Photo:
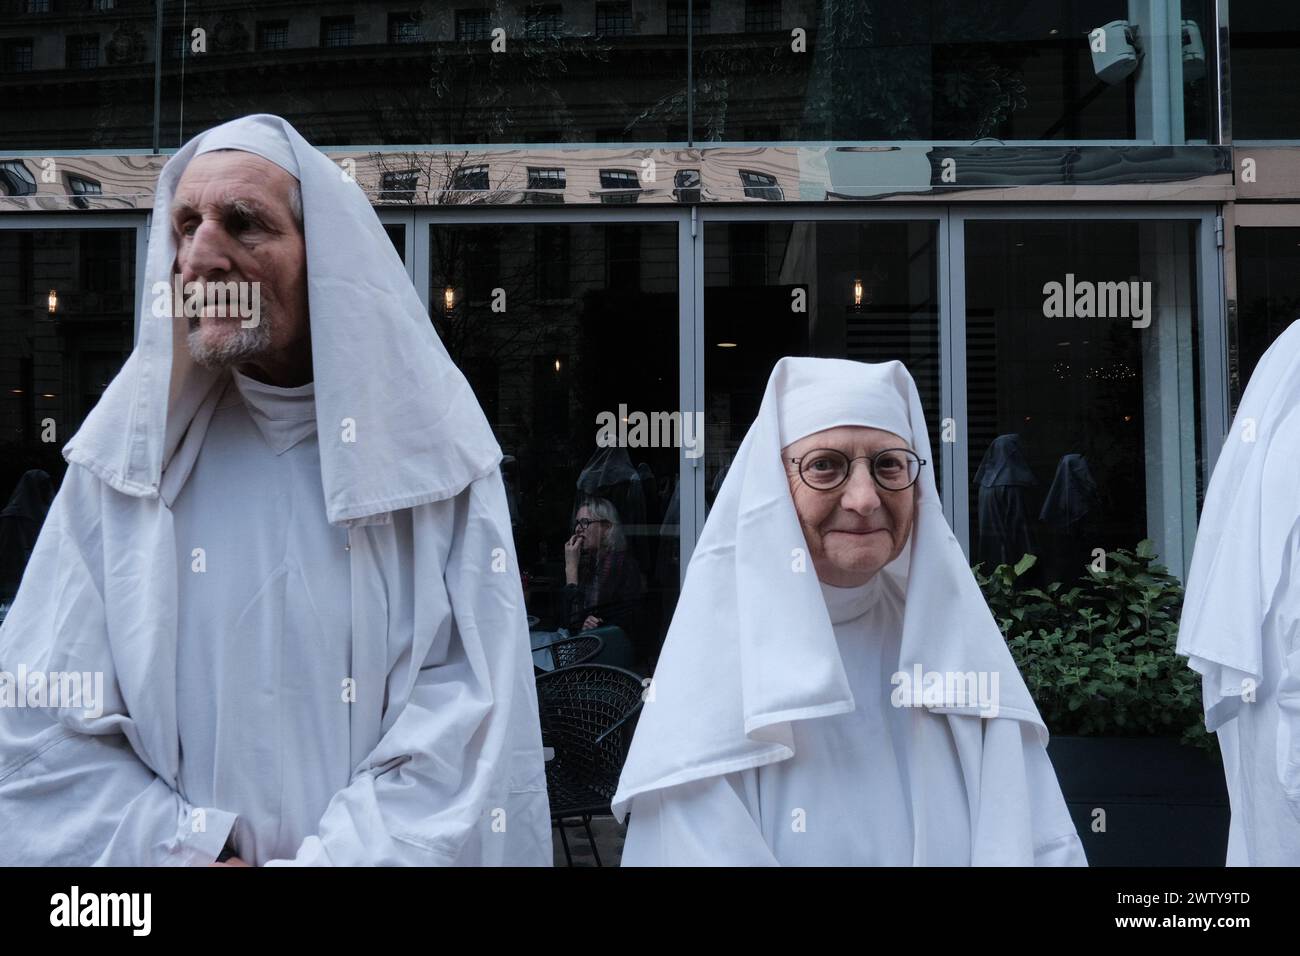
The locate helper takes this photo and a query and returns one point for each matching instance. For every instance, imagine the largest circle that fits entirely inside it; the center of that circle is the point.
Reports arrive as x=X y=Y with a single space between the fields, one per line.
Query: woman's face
x=594 y=536
x=856 y=529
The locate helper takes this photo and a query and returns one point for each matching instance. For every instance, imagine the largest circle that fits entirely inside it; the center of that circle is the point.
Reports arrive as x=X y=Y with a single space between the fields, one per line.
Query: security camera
x=1116 y=50
x=1193 y=51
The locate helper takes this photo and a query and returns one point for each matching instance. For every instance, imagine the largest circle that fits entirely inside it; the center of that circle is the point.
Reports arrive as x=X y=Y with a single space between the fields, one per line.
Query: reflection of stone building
x=360 y=73
x=503 y=71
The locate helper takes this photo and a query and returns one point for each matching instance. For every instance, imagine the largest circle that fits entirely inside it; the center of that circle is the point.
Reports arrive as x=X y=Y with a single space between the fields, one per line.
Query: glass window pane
x=375 y=74
x=1199 y=70
x=568 y=335
x=1082 y=429
x=76 y=75
x=397 y=236
x=1265 y=49
x=1268 y=293
x=66 y=328
x=947 y=70
x=857 y=290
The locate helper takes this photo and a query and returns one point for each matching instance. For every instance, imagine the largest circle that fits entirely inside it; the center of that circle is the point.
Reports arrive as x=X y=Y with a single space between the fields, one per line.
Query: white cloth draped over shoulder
x=439 y=753
x=769 y=735
x=1240 y=627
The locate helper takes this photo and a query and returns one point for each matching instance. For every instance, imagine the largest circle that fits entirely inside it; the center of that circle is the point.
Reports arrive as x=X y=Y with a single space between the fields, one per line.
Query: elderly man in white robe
x=833 y=689
x=1240 y=628
x=283 y=544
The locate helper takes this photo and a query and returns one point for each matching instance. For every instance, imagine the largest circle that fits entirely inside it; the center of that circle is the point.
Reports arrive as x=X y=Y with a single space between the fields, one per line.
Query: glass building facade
x=672 y=194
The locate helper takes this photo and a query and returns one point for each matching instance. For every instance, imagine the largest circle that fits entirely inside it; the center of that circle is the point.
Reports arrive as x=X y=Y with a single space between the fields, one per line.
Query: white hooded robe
x=1240 y=627
x=770 y=734
x=347 y=680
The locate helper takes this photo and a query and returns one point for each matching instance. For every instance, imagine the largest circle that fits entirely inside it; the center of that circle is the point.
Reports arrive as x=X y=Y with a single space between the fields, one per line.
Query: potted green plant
x=1143 y=779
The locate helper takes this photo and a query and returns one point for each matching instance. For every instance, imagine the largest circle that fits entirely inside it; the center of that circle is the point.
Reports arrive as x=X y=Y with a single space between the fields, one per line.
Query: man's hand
x=590 y=622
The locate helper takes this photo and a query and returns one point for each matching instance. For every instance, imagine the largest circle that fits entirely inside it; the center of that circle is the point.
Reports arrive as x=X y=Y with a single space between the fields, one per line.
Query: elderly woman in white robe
x=833 y=689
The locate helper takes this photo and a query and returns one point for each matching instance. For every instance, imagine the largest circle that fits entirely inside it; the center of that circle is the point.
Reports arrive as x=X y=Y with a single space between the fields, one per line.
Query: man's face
x=856 y=529
x=232 y=222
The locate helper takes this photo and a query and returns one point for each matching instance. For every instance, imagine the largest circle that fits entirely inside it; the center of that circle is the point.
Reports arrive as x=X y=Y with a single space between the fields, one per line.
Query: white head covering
x=1240 y=543
x=728 y=687
x=421 y=435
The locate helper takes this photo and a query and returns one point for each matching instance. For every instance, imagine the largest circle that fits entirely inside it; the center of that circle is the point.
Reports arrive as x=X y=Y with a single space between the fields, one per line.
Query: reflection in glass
x=611 y=72
x=604 y=586
x=65 y=331
x=1082 y=431
x=941 y=70
x=1265 y=41
x=1268 y=293
x=76 y=75
x=396 y=233
x=372 y=74
x=568 y=335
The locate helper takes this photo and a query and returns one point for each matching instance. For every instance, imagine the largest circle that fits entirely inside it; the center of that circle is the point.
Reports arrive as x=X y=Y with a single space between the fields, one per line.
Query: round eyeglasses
x=893 y=469
x=582 y=524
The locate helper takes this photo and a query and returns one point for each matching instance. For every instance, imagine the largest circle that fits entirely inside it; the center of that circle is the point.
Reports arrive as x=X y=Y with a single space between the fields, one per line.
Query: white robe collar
x=284 y=416
x=847 y=604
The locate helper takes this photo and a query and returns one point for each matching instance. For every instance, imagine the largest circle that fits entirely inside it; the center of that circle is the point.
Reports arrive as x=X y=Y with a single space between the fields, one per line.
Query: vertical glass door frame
x=390 y=216
x=690 y=373
x=1210 y=329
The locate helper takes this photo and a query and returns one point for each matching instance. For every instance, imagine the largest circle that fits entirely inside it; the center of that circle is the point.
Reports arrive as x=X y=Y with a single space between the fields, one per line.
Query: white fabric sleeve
x=1282 y=626
x=73 y=791
x=71 y=799
x=440 y=770
x=709 y=822
x=1021 y=818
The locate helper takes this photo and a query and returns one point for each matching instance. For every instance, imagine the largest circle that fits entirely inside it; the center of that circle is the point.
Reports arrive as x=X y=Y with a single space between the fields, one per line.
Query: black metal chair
x=588 y=714
x=567 y=652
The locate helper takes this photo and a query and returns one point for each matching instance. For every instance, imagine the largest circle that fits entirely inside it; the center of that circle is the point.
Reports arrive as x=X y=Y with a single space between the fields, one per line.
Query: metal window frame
x=690 y=381
x=951 y=271
x=691 y=222
x=1210 y=328
x=95 y=220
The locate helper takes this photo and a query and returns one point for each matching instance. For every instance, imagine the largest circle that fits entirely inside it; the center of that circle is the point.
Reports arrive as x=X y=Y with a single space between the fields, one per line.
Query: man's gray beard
x=235 y=347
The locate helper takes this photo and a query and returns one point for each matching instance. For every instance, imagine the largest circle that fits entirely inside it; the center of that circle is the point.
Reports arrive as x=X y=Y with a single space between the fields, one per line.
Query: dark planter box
x=1166 y=804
